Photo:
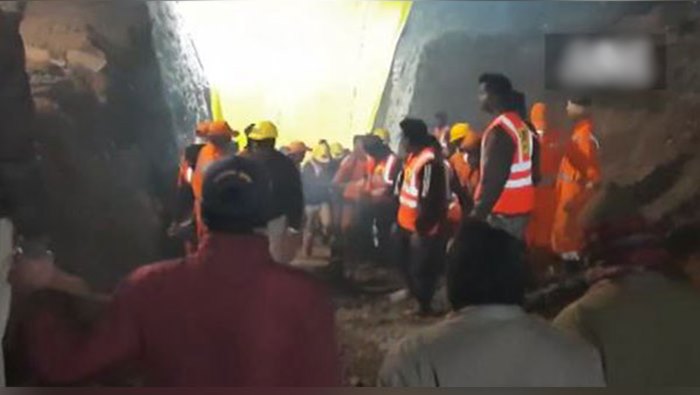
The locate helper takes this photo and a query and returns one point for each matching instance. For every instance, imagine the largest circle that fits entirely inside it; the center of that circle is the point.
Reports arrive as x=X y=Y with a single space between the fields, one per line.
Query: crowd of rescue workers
x=452 y=203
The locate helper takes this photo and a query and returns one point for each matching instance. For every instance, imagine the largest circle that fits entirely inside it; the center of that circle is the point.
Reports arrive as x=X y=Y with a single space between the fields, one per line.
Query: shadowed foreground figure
x=643 y=315
x=489 y=340
x=227 y=316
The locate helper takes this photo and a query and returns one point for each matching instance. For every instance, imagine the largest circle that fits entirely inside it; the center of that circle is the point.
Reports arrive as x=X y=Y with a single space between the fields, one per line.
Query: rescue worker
x=183 y=227
x=287 y=211
x=316 y=181
x=382 y=168
x=441 y=130
x=420 y=237
x=337 y=155
x=383 y=135
x=219 y=137
x=579 y=176
x=227 y=316
x=349 y=180
x=505 y=196
x=464 y=155
x=539 y=232
x=463 y=152
x=296 y=151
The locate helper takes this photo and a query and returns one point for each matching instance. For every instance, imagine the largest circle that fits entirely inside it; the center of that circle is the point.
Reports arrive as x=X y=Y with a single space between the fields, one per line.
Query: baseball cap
x=236 y=195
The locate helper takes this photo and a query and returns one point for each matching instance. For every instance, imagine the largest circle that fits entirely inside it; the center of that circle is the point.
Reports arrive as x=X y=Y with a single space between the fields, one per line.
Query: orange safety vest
x=454 y=209
x=410 y=188
x=380 y=175
x=518 y=196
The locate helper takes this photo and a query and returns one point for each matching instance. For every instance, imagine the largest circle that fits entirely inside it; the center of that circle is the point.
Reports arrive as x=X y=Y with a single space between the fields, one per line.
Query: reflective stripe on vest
x=408 y=197
x=518 y=193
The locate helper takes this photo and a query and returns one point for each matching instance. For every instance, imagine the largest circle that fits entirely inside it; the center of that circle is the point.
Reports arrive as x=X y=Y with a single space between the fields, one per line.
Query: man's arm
x=432 y=199
x=583 y=156
x=497 y=159
x=63 y=355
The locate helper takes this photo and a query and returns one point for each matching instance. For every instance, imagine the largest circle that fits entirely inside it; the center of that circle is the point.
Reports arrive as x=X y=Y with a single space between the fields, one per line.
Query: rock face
x=108 y=125
x=446 y=45
x=185 y=86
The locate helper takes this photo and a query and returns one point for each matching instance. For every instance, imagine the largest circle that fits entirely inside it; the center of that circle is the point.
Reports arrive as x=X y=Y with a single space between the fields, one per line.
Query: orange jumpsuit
x=351 y=176
x=539 y=231
x=578 y=170
x=467 y=176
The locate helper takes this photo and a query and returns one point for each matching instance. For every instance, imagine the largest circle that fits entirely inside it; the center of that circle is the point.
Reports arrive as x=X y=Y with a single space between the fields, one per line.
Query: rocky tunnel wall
x=648 y=139
x=115 y=92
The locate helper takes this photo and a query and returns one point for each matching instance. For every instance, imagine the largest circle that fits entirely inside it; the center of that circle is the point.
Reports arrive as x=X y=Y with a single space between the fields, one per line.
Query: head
x=441 y=119
x=495 y=93
x=321 y=154
x=358 y=144
x=383 y=135
x=297 y=151
x=220 y=133
x=236 y=196
x=578 y=107
x=337 y=151
x=375 y=147
x=485 y=266
x=538 y=117
x=263 y=136
x=414 y=134
x=459 y=133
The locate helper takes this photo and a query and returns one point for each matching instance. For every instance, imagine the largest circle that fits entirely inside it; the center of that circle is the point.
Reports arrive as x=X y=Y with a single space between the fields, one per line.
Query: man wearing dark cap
x=579 y=176
x=423 y=200
x=227 y=316
x=505 y=195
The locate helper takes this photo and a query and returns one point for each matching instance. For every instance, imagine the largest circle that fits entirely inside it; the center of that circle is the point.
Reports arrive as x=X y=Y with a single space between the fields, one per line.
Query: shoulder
x=153 y=272
x=561 y=341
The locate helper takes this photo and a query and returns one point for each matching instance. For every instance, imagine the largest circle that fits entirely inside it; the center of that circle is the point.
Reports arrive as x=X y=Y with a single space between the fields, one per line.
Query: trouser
x=283 y=243
x=514 y=225
x=6 y=251
x=421 y=260
x=317 y=215
x=384 y=217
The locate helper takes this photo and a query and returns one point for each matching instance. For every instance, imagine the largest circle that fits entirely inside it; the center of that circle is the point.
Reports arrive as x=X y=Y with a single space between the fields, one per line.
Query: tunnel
x=99 y=99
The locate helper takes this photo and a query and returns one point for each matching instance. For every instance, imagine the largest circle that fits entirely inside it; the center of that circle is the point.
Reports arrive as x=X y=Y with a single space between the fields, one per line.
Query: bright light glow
x=315 y=68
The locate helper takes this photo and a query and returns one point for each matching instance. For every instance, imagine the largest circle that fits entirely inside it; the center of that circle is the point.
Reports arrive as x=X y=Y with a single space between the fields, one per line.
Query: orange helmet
x=220 y=128
x=538 y=116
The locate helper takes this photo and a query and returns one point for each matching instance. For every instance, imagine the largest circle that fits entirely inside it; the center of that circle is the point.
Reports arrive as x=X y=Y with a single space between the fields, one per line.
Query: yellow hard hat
x=321 y=153
x=459 y=131
x=263 y=131
x=382 y=134
x=337 y=150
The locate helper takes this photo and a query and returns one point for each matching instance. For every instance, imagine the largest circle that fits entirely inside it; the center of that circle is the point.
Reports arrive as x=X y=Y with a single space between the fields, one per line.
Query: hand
x=32 y=274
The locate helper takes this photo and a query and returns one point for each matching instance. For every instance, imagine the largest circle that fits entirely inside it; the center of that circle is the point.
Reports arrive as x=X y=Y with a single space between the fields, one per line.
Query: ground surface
x=369 y=322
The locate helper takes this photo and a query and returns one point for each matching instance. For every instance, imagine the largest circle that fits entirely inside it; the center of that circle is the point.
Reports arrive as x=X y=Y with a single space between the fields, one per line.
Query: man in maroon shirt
x=227 y=316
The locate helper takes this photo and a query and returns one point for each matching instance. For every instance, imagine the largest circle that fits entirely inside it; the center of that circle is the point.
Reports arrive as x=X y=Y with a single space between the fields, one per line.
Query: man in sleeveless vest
x=505 y=195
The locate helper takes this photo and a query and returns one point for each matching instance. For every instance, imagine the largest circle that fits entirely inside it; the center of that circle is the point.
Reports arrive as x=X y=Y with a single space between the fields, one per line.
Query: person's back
x=490 y=340
x=235 y=318
x=645 y=325
x=227 y=316
x=496 y=346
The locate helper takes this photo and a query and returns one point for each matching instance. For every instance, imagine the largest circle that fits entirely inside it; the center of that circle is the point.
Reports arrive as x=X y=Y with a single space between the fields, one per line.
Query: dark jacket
x=288 y=197
x=497 y=159
x=316 y=180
